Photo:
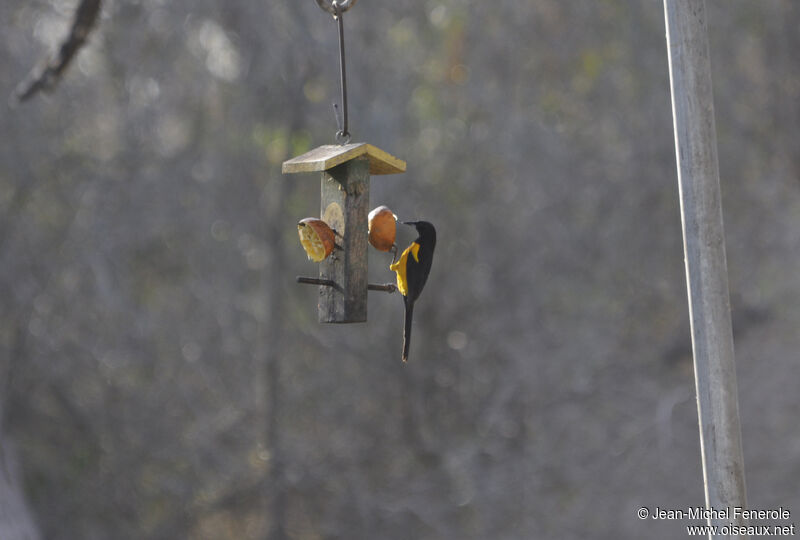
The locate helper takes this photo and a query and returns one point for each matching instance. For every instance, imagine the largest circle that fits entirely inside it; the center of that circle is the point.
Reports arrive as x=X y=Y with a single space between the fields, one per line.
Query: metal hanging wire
x=337 y=8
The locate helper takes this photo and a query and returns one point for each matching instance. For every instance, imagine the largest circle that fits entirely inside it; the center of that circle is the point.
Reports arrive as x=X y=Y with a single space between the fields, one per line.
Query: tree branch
x=49 y=71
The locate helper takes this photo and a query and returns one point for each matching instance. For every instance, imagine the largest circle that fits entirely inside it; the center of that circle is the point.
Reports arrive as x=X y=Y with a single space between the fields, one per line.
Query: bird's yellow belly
x=400 y=267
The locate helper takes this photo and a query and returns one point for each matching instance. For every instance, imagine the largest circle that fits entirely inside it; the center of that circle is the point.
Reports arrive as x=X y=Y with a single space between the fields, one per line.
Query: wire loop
x=342 y=138
x=342 y=5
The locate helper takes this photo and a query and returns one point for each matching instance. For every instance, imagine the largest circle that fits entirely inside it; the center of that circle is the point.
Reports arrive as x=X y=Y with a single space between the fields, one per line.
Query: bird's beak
x=410 y=223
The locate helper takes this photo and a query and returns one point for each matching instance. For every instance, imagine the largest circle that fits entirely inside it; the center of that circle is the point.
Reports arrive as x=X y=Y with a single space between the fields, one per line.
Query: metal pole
x=706 y=266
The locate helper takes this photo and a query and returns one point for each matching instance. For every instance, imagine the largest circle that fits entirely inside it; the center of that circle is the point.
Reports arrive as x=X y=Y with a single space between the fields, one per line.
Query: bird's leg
x=337 y=234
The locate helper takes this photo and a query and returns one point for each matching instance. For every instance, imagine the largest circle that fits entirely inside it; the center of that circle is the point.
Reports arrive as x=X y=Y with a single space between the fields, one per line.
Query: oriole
x=412 y=272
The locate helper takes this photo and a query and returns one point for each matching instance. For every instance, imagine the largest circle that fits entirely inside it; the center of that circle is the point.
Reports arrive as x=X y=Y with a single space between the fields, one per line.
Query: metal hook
x=343 y=5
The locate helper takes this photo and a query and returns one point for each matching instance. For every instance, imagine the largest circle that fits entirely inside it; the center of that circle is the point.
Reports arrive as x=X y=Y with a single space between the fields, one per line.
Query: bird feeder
x=344 y=204
x=346 y=169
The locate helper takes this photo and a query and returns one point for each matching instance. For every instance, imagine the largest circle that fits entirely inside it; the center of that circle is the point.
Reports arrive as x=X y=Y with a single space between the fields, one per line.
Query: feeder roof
x=329 y=156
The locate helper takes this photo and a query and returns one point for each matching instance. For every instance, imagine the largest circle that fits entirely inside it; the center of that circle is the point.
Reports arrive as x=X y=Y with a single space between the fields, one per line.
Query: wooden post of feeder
x=344 y=205
x=706 y=266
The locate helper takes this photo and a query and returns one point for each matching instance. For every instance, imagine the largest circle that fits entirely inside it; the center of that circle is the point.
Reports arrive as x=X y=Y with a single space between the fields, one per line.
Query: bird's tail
x=407 y=328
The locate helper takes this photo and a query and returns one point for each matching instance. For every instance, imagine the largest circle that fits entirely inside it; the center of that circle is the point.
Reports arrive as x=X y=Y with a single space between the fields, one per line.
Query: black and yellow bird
x=412 y=272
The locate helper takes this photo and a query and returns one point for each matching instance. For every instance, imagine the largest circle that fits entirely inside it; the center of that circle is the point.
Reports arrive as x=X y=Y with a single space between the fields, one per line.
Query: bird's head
x=424 y=228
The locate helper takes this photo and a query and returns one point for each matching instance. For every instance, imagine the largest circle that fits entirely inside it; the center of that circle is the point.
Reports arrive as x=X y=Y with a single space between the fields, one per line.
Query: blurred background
x=164 y=377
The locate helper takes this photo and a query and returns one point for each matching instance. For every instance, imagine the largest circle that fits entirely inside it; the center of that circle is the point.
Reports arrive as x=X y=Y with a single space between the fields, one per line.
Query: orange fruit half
x=316 y=237
x=382 y=228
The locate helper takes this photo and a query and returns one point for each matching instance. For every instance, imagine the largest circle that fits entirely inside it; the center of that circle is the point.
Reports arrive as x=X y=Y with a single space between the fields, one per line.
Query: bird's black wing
x=417 y=272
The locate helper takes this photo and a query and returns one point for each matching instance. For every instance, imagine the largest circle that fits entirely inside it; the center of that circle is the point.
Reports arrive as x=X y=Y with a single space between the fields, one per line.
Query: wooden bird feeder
x=344 y=205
